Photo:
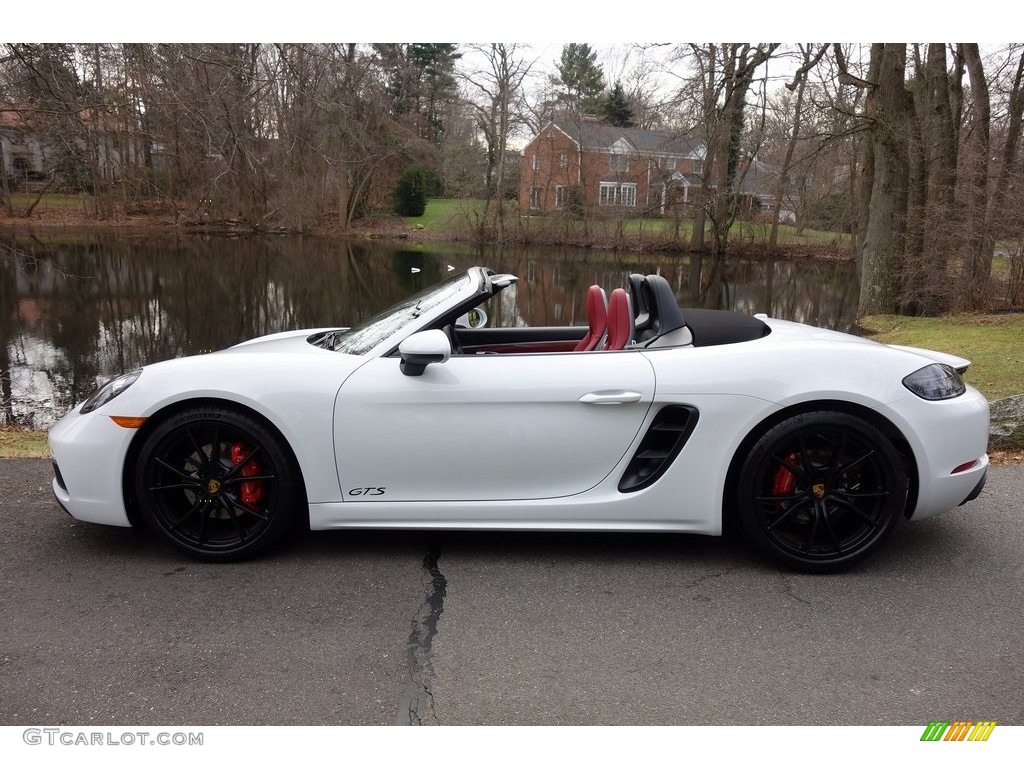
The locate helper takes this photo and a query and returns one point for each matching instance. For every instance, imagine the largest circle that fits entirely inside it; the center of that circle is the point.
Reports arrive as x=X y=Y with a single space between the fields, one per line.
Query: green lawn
x=444 y=214
x=993 y=343
x=23 y=200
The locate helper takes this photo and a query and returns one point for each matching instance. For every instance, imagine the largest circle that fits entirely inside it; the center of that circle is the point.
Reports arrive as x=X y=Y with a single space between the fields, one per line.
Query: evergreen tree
x=421 y=83
x=435 y=64
x=581 y=77
x=616 y=109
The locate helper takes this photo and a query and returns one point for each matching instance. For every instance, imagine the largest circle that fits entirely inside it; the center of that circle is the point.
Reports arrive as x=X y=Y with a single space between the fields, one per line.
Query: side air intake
x=664 y=440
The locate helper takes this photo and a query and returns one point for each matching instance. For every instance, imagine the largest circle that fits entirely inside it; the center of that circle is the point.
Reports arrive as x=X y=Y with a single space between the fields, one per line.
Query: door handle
x=610 y=397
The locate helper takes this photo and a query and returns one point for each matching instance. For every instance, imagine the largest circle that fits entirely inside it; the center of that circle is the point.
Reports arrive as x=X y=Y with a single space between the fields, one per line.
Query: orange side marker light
x=129 y=422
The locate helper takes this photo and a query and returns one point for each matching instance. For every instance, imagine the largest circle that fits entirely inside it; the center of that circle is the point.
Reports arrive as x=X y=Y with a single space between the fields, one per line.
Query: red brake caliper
x=784 y=478
x=253 y=491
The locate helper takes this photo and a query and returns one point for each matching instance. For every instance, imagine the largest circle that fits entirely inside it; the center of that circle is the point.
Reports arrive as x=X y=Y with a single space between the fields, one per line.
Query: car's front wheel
x=217 y=483
x=820 y=491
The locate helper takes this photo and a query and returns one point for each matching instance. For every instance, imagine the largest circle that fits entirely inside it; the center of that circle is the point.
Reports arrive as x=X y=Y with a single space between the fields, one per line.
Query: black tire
x=820 y=491
x=217 y=484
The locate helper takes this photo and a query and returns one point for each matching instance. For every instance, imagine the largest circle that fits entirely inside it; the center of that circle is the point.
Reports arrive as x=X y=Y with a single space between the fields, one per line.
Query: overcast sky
x=535 y=21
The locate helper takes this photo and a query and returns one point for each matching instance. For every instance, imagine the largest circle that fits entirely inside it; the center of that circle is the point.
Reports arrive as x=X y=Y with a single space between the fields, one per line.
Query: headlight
x=935 y=382
x=110 y=390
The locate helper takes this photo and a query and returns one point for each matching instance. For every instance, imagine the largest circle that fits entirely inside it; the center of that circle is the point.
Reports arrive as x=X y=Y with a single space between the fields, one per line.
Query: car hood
x=286 y=341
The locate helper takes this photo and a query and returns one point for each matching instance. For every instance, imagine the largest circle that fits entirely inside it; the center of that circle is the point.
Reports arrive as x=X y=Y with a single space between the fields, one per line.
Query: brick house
x=611 y=170
x=33 y=145
x=22 y=151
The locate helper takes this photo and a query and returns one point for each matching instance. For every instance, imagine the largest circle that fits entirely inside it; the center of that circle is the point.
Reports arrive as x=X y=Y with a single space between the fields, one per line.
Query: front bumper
x=88 y=454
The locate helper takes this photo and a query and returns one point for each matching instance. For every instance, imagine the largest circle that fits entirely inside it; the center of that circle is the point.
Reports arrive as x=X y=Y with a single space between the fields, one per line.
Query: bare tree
x=497 y=83
x=799 y=84
x=718 y=90
x=1000 y=216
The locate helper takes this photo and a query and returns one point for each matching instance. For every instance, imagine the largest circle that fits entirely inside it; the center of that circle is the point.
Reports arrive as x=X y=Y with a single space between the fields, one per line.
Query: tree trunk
x=739 y=64
x=979 y=243
x=915 y=271
x=697 y=242
x=867 y=172
x=940 y=148
x=5 y=190
x=885 y=231
x=32 y=207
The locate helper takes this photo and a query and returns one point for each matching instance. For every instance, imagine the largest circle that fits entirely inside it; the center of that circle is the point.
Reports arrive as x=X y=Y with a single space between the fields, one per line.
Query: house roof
x=754 y=177
x=26 y=116
x=596 y=134
x=690 y=179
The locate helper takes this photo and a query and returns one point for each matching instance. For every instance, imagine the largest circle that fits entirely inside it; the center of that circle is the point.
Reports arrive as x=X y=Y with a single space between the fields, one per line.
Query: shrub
x=411 y=192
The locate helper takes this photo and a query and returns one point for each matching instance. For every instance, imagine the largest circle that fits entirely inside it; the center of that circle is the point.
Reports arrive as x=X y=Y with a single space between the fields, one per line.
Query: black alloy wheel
x=820 y=491
x=217 y=484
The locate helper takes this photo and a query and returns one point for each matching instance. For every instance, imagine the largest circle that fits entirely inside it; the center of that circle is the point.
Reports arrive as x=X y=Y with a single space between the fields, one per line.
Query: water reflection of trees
x=81 y=310
x=553 y=289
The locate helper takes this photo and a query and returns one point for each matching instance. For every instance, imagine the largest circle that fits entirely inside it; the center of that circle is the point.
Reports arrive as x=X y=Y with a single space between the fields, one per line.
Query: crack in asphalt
x=416 y=706
x=715 y=575
x=787 y=590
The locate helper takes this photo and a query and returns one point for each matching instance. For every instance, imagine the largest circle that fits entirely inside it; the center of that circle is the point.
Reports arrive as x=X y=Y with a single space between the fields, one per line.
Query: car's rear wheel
x=820 y=491
x=217 y=483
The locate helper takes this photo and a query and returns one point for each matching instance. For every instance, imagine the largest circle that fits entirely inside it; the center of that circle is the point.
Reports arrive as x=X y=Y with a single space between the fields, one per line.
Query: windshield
x=368 y=334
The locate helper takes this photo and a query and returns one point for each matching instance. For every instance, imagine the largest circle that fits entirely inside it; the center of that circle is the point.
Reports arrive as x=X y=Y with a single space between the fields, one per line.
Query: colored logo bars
x=958 y=730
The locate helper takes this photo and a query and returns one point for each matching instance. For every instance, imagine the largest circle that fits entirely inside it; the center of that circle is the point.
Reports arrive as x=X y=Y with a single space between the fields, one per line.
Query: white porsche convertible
x=650 y=418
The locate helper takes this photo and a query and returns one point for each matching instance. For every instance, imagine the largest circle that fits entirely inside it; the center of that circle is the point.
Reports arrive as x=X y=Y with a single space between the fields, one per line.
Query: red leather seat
x=620 y=321
x=597 y=319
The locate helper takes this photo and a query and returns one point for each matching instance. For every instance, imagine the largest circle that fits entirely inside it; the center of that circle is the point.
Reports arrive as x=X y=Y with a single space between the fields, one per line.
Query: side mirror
x=475 y=318
x=423 y=348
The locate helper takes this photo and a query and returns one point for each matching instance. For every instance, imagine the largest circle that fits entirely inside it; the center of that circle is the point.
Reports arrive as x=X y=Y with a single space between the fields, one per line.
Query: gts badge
x=367 y=491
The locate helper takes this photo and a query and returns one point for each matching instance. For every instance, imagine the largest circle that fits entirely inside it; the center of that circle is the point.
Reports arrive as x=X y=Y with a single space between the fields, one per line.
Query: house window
x=535 y=163
x=535 y=197
x=617 y=162
x=698 y=166
x=670 y=163
x=611 y=193
x=563 y=160
x=559 y=196
x=608 y=193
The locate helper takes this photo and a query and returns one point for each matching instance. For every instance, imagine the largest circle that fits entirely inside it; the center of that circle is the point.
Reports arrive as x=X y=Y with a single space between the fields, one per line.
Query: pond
x=75 y=310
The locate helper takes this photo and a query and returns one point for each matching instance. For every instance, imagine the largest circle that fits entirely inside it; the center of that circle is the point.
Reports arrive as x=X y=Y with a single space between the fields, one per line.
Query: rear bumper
x=977 y=489
x=949 y=439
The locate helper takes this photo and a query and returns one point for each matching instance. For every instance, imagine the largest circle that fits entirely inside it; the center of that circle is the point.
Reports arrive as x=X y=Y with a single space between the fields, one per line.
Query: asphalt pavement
x=105 y=626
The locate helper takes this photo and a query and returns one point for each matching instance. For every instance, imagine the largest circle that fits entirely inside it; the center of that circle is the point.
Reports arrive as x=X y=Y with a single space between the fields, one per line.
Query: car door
x=489 y=427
